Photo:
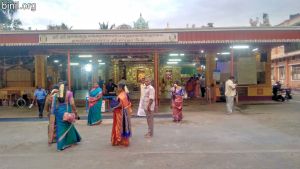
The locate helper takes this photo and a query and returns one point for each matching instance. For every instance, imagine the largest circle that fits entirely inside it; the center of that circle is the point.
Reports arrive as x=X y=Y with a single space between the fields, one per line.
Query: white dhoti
x=141 y=111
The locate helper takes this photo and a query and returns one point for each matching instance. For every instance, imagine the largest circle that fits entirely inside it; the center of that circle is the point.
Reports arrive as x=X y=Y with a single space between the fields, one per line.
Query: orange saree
x=121 y=129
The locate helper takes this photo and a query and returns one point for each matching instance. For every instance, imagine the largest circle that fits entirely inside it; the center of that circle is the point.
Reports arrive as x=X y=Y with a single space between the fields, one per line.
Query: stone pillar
x=40 y=63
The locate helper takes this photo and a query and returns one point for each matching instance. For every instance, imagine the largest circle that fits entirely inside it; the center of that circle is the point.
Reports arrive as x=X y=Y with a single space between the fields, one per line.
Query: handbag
x=69 y=117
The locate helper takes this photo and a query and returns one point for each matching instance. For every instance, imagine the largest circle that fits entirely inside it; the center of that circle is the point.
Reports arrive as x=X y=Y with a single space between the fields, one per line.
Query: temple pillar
x=268 y=68
x=210 y=67
x=156 y=77
x=95 y=66
x=287 y=72
x=40 y=63
x=116 y=70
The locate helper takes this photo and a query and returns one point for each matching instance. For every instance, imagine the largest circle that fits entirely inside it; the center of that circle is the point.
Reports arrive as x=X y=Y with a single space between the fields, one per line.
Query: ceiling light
x=85 y=56
x=88 y=67
x=174 y=60
x=172 y=63
x=173 y=54
x=240 y=47
x=74 y=64
x=56 y=61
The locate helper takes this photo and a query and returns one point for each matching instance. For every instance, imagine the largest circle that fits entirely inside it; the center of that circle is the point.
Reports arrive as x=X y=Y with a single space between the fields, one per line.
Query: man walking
x=230 y=92
x=148 y=105
x=40 y=97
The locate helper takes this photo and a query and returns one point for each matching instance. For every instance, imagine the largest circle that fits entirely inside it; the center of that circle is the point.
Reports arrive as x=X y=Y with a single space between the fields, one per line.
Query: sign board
x=108 y=38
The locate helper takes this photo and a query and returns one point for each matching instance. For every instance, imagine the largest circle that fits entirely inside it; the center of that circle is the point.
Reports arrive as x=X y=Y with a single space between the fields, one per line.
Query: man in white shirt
x=148 y=105
x=230 y=92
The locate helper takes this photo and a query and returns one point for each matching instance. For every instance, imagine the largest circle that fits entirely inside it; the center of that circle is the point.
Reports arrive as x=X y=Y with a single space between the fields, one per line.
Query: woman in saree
x=66 y=133
x=121 y=129
x=177 y=93
x=94 y=105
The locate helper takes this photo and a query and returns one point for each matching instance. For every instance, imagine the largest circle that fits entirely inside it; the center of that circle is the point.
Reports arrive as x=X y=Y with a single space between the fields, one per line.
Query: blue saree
x=94 y=106
x=66 y=133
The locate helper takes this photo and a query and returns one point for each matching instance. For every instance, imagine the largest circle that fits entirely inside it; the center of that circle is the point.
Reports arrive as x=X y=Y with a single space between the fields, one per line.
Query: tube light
x=172 y=63
x=174 y=60
x=101 y=63
x=225 y=53
x=56 y=61
x=74 y=64
x=240 y=47
x=173 y=54
x=85 y=56
x=256 y=49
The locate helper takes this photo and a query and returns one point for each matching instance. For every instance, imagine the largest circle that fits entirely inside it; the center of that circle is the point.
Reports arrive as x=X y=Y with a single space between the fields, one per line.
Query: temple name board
x=108 y=38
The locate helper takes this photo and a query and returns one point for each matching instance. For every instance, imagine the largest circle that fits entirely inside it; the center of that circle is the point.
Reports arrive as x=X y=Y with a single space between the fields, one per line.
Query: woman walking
x=177 y=101
x=94 y=106
x=121 y=129
x=62 y=106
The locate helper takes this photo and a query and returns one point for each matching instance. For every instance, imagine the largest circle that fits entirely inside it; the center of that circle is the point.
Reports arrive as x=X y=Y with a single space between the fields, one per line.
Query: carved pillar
x=115 y=70
x=40 y=63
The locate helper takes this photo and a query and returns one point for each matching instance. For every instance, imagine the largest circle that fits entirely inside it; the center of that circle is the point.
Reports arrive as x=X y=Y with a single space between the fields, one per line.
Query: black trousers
x=41 y=104
x=202 y=91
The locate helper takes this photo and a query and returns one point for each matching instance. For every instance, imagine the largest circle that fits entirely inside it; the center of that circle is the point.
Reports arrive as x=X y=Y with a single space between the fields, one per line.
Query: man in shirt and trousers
x=230 y=92
x=148 y=105
x=141 y=111
x=40 y=97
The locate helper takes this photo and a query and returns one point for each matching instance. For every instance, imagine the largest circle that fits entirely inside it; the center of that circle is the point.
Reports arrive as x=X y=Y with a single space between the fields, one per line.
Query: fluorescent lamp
x=218 y=53
x=256 y=49
x=202 y=51
x=225 y=53
x=90 y=61
x=99 y=60
x=172 y=63
x=240 y=47
x=216 y=59
x=85 y=56
x=74 y=64
x=173 y=54
x=88 y=67
x=56 y=61
x=181 y=54
x=174 y=60
x=101 y=63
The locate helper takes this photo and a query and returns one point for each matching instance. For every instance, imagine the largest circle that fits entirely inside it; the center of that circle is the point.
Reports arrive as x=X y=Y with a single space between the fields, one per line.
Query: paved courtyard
x=258 y=136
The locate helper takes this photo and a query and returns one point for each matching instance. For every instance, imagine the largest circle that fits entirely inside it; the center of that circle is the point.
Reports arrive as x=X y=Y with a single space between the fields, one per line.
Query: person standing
x=141 y=111
x=202 y=86
x=62 y=103
x=177 y=101
x=230 y=92
x=121 y=129
x=40 y=98
x=94 y=105
x=148 y=105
